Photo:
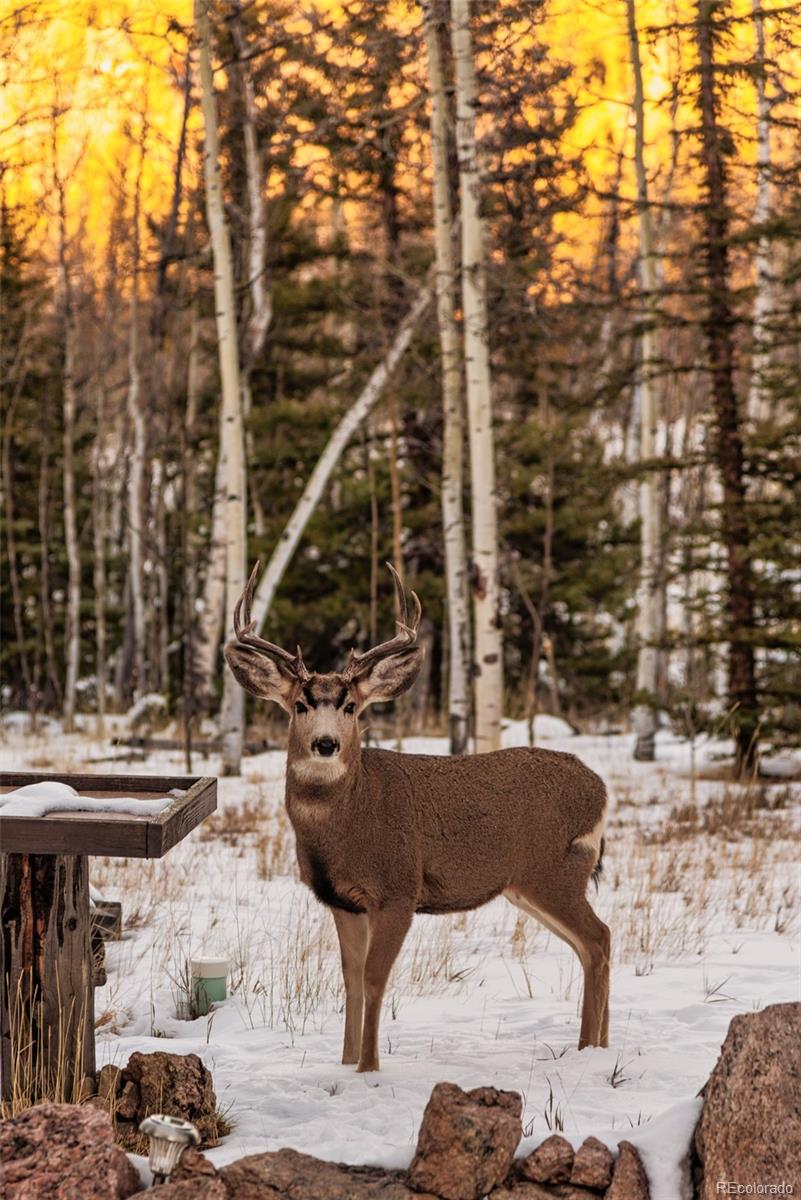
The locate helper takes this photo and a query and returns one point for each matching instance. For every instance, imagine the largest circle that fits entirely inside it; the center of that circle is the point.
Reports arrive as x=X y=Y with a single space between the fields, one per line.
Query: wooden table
x=46 y=987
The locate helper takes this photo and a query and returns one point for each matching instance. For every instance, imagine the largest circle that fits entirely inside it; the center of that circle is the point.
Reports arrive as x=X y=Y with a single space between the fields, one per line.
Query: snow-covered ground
x=700 y=889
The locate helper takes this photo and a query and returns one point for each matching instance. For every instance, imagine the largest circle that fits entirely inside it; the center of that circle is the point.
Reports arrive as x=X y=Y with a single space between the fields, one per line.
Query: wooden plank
x=118 y=835
x=47 y=1047
x=181 y=817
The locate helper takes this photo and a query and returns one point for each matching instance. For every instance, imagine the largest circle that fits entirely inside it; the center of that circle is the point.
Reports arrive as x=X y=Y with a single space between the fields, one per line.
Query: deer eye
x=300 y=708
x=350 y=708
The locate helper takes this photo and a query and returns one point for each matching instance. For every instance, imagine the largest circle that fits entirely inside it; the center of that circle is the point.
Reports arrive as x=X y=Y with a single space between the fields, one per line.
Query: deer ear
x=391 y=677
x=259 y=675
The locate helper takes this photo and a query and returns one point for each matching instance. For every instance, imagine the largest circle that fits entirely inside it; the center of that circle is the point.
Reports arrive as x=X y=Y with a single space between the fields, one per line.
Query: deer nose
x=325 y=746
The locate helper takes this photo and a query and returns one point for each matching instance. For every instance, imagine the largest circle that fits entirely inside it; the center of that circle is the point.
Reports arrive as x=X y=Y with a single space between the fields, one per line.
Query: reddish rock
x=629 y=1181
x=592 y=1166
x=526 y=1190
x=178 y=1084
x=293 y=1176
x=192 y=1165
x=193 y=1189
x=108 y=1082
x=467 y=1142
x=63 y=1152
x=750 y=1127
x=128 y=1102
x=551 y=1162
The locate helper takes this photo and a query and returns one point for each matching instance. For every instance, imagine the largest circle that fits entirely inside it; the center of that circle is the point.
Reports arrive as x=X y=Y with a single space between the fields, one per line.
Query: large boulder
x=178 y=1084
x=750 y=1126
x=63 y=1151
x=467 y=1141
x=285 y=1175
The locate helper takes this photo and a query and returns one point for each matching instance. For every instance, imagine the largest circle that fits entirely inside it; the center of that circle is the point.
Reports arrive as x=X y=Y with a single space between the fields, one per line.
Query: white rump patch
x=593 y=838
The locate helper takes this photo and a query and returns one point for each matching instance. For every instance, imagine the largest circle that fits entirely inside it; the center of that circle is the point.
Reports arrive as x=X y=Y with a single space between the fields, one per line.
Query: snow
x=39 y=799
x=701 y=898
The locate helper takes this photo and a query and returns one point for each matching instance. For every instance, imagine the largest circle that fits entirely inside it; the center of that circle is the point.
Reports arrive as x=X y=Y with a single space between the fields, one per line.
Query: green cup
x=209 y=982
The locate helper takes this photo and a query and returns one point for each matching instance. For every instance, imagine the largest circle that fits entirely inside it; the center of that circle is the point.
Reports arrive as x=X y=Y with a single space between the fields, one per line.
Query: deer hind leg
x=388 y=928
x=572 y=919
x=352 y=931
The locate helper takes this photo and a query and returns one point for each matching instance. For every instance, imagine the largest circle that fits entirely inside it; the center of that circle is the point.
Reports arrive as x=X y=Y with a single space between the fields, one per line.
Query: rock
x=294 y=1176
x=525 y=1190
x=629 y=1181
x=193 y=1189
x=178 y=1084
x=592 y=1166
x=63 y=1152
x=191 y=1165
x=750 y=1126
x=108 y=1082
x=128 y=1102
x=551 y=1162
x=467 y=1141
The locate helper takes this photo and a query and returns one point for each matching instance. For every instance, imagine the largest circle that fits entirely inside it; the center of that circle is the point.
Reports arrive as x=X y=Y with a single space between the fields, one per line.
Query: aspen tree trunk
x=310 y=498
x=99 y=561
x=189 y=534
x=44 y=541
x=261 y=302
x=136 y=466
x=760 y=357
x=650 y=604
x=231 y=434
x=72 y=630
x=488 y=646
x=213 y=607
x=452 y=409
x=728 y=447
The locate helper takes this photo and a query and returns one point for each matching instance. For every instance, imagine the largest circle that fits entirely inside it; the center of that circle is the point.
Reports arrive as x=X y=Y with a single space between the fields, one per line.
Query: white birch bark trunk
x=69 y=402
x=310 y=498
x=757 y=392
x=261 y=301
x=458 y=609
x=231 y=434
x=136 y=474
x=210 y=621
x=99 y=507
x=488 y=645
x=644 y=715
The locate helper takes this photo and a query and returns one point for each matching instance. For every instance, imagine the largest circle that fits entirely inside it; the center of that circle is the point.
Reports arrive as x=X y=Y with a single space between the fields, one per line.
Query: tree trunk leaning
x=324 y=467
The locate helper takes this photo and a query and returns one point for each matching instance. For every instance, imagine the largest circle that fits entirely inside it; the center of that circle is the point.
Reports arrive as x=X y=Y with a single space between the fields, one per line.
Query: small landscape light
x=169 y=1137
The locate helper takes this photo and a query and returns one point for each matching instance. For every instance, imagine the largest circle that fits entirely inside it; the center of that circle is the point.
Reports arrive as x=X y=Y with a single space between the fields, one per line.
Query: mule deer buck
x=382 y=836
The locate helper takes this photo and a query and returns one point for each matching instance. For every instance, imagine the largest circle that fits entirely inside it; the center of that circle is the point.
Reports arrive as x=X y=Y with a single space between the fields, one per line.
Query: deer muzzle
x=326 y=747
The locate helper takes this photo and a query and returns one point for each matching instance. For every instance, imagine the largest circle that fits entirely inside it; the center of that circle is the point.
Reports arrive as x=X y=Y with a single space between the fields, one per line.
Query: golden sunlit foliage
x=79 y=78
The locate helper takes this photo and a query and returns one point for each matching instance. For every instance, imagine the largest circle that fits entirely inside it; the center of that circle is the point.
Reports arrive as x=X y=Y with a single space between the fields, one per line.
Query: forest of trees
x=356 y=281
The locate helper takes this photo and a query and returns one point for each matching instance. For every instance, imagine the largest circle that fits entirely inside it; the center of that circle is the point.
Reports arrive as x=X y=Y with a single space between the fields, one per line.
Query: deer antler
x=406 y=636
x=246 y=637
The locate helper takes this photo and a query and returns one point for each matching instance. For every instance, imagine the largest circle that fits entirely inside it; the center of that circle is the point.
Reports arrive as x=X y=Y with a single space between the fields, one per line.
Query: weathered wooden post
x=47 y=1038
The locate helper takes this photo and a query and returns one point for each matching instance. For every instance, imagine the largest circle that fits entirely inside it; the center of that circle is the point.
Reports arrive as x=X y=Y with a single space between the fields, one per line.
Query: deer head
x=324 y=738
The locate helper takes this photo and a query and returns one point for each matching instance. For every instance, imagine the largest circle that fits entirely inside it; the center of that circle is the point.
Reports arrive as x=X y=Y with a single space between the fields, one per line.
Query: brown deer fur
x=381 y=835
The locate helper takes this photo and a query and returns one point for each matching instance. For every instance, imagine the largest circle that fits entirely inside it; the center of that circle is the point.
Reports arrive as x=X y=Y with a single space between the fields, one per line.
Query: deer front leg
x=388 y=927
x=352 y=930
